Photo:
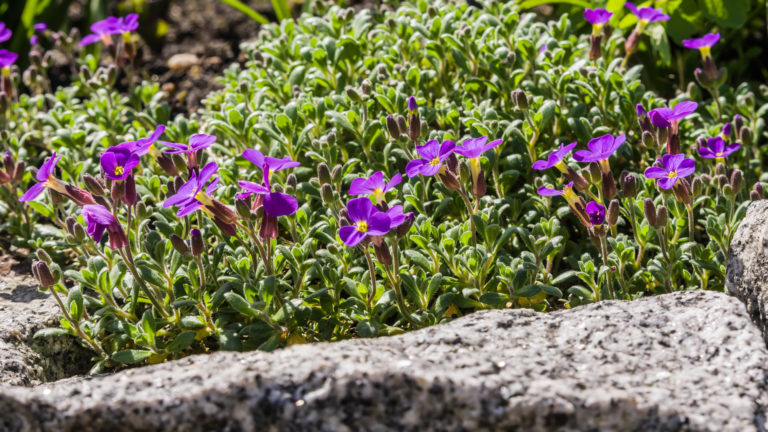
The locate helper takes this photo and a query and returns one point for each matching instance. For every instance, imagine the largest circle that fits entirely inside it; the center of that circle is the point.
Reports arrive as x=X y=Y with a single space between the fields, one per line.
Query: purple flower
x=102 y=30
x=674 y=167
x=396 y=216
x=40 y=27
x=726 y=131
x=550 y=192
x=596 y=213
x=474 y=147
x=45 y=179
x=142 y=146
x=99 y=219
x=433 y=154
x=190 y=195
x=7 y=58
x=275 y=203
x=374 y=185
x=600 y=148
x=367 y=221
x=640 y=110
x=5 y=32
x=716 y=148
x=597 y=16
x=665 y=117
x=555 y=158
x=267 y=163
x=118 y=163
x=646 y=14
x=33 y=40
x=412 y=105
x=196 y=142
x=704 y=43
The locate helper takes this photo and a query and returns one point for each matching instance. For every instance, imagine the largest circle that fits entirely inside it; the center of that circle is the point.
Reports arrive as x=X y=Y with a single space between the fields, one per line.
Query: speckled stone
x=747 y=272
x=690 y=361
x=25 y=360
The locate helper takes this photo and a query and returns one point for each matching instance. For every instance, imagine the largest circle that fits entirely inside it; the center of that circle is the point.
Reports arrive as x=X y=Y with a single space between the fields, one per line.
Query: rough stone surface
x=689 y=361
x=747 y=272
x=25 y=360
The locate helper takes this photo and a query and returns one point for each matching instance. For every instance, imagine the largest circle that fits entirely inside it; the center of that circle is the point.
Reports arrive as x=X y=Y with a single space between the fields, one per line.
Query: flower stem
x=372 y=274
x=609 y=274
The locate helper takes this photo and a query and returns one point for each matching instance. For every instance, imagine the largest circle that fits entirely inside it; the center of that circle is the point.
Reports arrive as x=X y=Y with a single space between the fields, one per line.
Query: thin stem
x=76 y=324
x=372 y=274
x=609 y=274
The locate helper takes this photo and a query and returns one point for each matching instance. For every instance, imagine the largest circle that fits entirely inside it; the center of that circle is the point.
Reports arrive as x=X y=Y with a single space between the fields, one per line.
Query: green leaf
x=242 y=7
x=51 y=332
x=181 y=342
x=282 y=9
x=241 y=305
x=131 y=356
x=727 y=13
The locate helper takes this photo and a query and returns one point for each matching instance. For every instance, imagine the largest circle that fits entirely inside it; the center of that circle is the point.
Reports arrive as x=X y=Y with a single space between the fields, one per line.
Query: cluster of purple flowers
x=104 y=29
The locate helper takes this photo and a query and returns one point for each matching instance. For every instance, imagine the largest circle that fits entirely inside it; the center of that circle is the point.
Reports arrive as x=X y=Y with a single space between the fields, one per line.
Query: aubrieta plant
x=367 y=174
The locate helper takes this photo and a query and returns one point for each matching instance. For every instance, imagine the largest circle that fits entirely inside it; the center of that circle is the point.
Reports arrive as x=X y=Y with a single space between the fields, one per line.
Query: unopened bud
x=392 y=127
x=745 y=135
x=323 y=173
x=449 y=180
x=738 y=122
x=353 y=95
x=8 y=163
x=42 y=255
x=758 y=187
x=404 y=227
x=179 y=162
x=93 y=185
x=662 y=216
x=736 y=180
x=70 y=224
x=331 y=138
x=326 y=193
x=521 y=100
x=478 y=185
x=754 y=196
x=18 y=171
x=648 y=139
x=696 y=186
x=381 y=250
x=196 y=240
x=612 y=215
x=44 y=275
x=179 y=244
x=365 y=87
x=722 y=180
x=452 y=163
x=336 y=174
x=650 y=211
x=720 y=169
x=166 y=163
x=402 y=124
x=414 y=126
x=629 y=186
x=595 y=173
x=78 y=231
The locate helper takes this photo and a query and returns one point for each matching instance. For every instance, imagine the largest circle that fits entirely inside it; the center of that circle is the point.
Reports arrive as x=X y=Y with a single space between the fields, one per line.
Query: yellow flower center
x=672 y=174
x=203 y=198
x=362 y=226
x=718 y=154
x=378 y=194
x=705 y=52
x=597 y=29
x=435 y=161
x=119 y=170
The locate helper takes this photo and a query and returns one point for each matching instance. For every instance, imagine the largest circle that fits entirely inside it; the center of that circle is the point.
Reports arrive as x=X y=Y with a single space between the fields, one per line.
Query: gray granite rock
x=689 y=361
x=747 y=272
x=25 y=360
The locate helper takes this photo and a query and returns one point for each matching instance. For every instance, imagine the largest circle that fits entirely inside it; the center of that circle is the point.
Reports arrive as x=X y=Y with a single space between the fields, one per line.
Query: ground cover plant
x=371 y=173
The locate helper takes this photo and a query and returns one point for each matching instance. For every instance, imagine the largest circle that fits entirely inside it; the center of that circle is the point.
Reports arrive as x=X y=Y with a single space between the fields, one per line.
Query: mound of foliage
x=370 y=173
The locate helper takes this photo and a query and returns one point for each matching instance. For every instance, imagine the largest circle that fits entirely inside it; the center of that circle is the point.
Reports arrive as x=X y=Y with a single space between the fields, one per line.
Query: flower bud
x=720 y=169
x=178 y=182
x=166 y=163
x=365 y=87
x=661 y=216
x=196 y=240
x=401 y=124
x=381 y=250
x=696 y=186
x=612 y=215
x=323 y=173
x=464 y=171
x=449 y=180
x=736 y=180
x=629 y=186
x=609 y=185
x=43 y=274
x=650 y=211
x=595 y=51
x=745 y=135
x=336 y=174
x=728 y=191
x=392 y=127
x=171 y=185
x=8 y=163
x=630 y=46
x=78 y=231
x=118 y=190
x=648 y=139
x=682 y=192
x=478 y=185
x=330 y=139
x=754 y=196
x=243 y=208
x=738 y=123
x=722 y=180
x=404 y=227
x=18 y=171
x=326 y=193
x=179 y=162
x=758 y=187
x=42 y=255
x=70 y=224
x=661 y=135
x=726 y=130
x=353 y=95
x=93 y=185
x=595 y=173
x=414 y=126
x=57 y=199
x=521 y=100
x=452 y=163
x=179 y=244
